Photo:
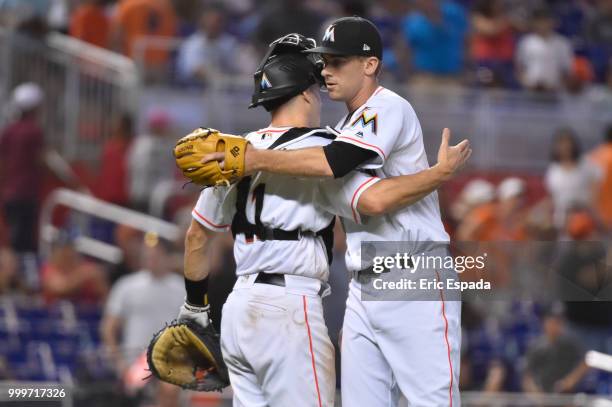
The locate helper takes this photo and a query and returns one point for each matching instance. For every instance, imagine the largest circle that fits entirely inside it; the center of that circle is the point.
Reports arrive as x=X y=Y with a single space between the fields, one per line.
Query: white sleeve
x=215 y=208
x=378 y=129
x=340 y=196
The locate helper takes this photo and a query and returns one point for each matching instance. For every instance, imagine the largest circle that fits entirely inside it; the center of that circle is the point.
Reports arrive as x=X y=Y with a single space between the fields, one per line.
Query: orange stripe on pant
x=312 y=357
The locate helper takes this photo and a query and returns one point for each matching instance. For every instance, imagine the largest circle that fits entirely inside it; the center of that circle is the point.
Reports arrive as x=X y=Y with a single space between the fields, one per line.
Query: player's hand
x=564 y=386
x=214 y=157
x=249 y=159
x=200 y=315
x=452 y=158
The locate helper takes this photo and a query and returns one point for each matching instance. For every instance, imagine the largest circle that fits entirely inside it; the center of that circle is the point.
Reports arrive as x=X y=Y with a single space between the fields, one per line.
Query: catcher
x=274 y=339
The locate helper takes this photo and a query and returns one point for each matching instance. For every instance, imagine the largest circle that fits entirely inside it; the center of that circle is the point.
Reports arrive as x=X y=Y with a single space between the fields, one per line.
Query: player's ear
x=306 y=96
x=371 y=66
x=309 y=94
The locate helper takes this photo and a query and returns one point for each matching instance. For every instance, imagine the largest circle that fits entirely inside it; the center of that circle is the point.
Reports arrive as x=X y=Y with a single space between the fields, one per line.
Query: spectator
x=478 y=222
x=285 y=17
x=9 y=281
x=209 y=51
x=139 y=305
x=570 y=180
x=582 y=266
x=68 y=276
x=113 y=181
x=492 y=43
x=511 y=211
x=22 y=142
x=90 y=23
x=520 y=11
x=436 y=33
x=572 y=16
x=58 y=15
x=129 y=241
x=598 y=28
x=555 y=362
x=14 y=12
x=544 y=59
x=387 y=16
x=602 y=156
x=137 y=19
x=150 y=159
x=474 y=193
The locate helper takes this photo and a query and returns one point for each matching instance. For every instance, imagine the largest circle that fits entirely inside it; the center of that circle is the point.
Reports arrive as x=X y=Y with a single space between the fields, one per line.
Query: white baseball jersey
x=307 y=204
x=390 y=347
x=387 y=125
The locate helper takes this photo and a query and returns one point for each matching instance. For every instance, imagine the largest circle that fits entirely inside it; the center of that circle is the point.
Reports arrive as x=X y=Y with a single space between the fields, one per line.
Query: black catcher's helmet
x=286 y=71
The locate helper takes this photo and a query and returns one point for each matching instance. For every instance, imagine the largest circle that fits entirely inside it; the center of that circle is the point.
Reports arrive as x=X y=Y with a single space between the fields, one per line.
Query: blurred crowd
x=540 y=45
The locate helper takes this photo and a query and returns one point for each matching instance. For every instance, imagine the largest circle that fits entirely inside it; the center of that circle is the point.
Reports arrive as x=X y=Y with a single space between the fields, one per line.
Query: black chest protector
x=240 y=223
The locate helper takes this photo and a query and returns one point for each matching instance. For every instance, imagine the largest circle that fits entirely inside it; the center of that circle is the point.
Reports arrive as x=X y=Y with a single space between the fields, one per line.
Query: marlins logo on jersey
x=365 y=119
x=329 y=34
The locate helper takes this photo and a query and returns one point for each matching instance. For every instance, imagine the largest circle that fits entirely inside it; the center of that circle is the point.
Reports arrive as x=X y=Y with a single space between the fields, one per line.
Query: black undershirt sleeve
x=344 y=157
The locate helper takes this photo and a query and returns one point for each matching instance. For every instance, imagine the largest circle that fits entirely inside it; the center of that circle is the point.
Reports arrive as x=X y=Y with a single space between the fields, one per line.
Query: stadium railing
x=87 y=207
x=86 y=88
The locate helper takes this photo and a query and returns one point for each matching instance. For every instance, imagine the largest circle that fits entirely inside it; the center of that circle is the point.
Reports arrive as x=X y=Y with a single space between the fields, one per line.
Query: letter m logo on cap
x=329 y=34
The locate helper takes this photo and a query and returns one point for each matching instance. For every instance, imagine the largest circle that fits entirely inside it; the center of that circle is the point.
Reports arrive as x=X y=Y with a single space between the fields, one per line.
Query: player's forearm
x=197 y=241
x=307 y=162
x=391 y=194
x=109 y=333
x=529 y=384
x=574 y=377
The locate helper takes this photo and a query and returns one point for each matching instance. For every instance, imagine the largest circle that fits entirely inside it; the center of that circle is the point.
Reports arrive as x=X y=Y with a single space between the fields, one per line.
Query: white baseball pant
x=276 y=345
x=388 y=347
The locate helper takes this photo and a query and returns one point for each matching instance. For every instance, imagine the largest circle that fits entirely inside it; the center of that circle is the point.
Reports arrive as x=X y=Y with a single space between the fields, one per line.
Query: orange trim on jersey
x=450 y=362
x=312 y=357
x=355 y=195
x=377 y=90
x=364 y=143
x=208 y=221
x=272 y=131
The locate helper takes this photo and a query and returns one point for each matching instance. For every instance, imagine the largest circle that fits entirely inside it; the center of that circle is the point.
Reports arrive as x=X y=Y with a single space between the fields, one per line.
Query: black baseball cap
x=351 y=36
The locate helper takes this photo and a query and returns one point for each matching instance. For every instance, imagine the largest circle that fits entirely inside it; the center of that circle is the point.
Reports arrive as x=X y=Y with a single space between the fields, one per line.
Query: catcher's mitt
x=188 y=355
x=190 y=150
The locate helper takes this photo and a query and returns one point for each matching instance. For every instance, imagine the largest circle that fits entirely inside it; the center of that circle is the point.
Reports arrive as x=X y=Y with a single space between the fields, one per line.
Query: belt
x=278 y=279
x=271 y=278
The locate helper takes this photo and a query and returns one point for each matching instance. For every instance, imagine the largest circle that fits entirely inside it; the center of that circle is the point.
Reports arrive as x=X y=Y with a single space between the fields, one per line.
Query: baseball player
x=388 y=347
x=273 y=335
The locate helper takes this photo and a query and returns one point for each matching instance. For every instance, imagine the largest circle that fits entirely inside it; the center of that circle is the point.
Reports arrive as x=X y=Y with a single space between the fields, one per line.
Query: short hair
x=565 y=133
x=272 y=105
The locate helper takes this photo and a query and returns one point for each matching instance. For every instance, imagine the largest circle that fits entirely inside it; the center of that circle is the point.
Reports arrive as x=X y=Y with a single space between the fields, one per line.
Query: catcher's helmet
x=286 y=71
